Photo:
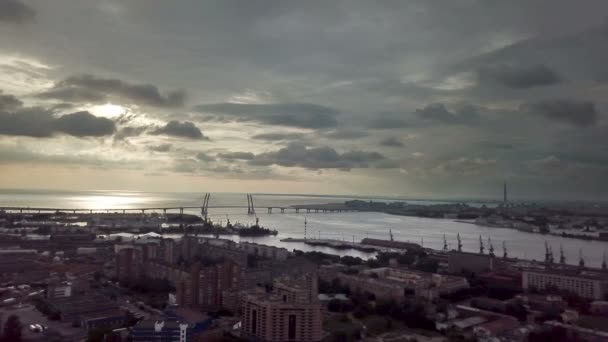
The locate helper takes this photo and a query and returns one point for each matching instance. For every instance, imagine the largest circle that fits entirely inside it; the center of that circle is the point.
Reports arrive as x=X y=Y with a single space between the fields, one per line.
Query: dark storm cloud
x=513 y=76
x=391 y=142
x=302 y=115
x=573 y=112
x=466 y=114
x=91 y=88
x=84 y=124
x=9 y=102
x=299 y=155
x=279 y=136
x=40 y=123
x=73 y=95
x=237 y=155
x=15 y=11
x=179 y=129
x=389 y=122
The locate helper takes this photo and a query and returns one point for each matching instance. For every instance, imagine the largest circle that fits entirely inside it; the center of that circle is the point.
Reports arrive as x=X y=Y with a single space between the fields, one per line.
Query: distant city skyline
x=438 y=101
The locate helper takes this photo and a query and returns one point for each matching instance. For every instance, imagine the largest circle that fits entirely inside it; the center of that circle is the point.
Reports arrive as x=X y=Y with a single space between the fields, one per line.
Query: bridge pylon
x=205 y=207
x=250 y=207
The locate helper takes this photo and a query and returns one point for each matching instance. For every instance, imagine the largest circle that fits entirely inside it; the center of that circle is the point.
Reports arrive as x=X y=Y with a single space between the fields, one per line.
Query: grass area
x=377 y=324
x=341 y=325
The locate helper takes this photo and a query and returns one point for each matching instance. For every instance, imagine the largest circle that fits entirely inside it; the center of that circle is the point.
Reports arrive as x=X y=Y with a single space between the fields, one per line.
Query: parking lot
x=29 y=315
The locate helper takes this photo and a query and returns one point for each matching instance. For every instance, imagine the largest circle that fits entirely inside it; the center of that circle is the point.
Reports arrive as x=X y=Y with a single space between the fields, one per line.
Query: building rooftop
x=570 y=272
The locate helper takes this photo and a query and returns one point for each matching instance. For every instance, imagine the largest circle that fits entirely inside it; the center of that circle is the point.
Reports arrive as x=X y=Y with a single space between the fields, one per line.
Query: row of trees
x=12 y=330
x=415 y=259
x=411 y=312
x=146 y=284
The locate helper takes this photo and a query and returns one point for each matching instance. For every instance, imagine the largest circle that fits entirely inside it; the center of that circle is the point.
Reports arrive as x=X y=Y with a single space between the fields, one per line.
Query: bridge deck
x=295 y=207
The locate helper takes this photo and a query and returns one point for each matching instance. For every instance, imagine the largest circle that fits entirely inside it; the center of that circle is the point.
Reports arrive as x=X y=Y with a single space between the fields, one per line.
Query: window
x=291 y=330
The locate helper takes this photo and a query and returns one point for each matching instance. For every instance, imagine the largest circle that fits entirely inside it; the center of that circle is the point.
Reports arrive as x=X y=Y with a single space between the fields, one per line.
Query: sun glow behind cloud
x=108 y=110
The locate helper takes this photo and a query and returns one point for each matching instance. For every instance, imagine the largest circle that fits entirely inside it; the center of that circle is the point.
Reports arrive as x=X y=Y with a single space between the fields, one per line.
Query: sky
x=418 y=98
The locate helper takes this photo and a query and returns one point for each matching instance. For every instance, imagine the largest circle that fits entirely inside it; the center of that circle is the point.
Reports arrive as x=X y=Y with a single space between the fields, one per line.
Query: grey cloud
x=130 y=131
x=464 y=166
x=493 y=145
x=303 y=115
x=299 y=155
x=204 y=157
x=237 y=155
x=9 y=154
x=161 y=148
x=15 y=11
x=549 y=163
x=9 y=102
x=345 y=135
x=573 y=112
x=467 y=114
x=395 y=87
x=279 y=136
x=578 y=56
x=513 y=76
x=61 y=107
x=91 y=88
x=40 y=123
x=391 y=142
x=179 y=129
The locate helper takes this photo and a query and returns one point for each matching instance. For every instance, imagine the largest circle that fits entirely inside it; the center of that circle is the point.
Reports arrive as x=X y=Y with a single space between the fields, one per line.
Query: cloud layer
x=302 y=115
x=295 y=154
x=573 y=112
x=15 y=11
x=179 y=129
x=412 y=97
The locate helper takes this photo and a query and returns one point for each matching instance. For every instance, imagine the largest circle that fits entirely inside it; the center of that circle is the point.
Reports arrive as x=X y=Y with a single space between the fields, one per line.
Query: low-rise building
x=264 y=251
x=395 y=283
x=587 y=284
x=576 y=333
x=59 y=290
x=110 y=319
x=465 y=262
x=166 y=331
x=91 y=310
x=544 y=303
x=599 y=308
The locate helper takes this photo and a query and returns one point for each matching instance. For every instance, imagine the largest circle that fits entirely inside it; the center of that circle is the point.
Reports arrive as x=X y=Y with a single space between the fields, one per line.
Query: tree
x=12 y=329
x=339 y=336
